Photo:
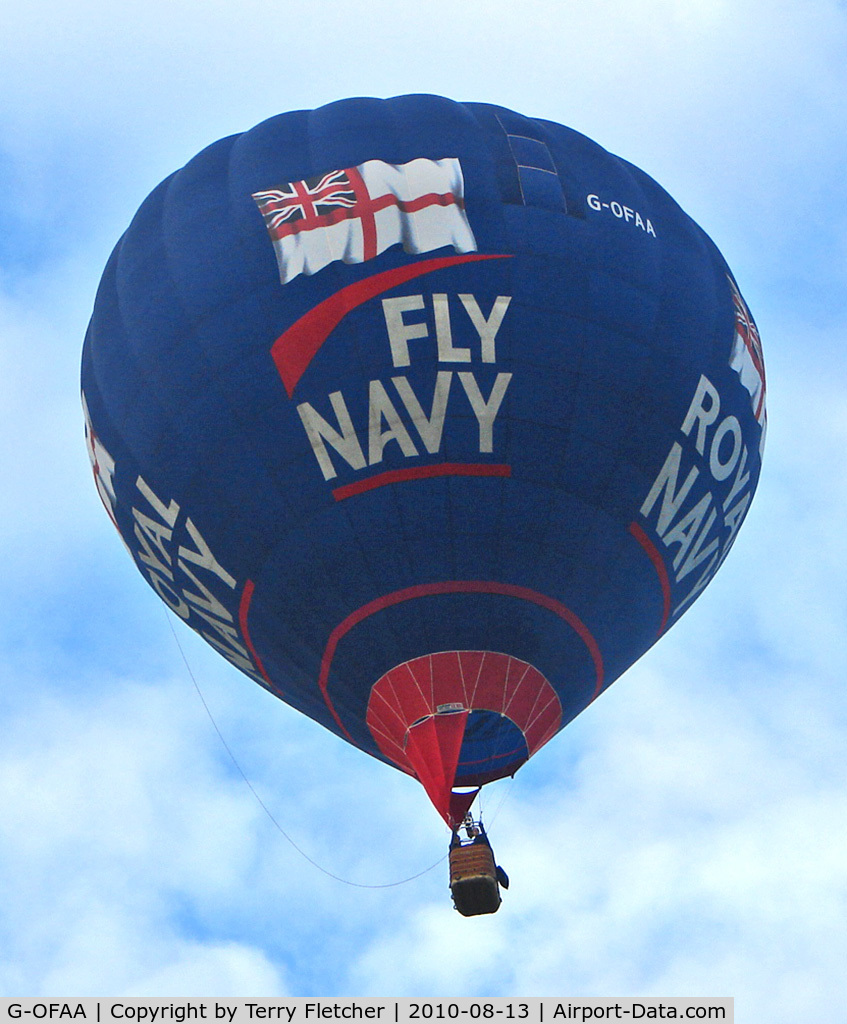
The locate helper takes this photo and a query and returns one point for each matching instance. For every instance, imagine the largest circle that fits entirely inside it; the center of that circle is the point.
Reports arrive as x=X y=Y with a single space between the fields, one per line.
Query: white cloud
x=227 y=970
x=108 y=806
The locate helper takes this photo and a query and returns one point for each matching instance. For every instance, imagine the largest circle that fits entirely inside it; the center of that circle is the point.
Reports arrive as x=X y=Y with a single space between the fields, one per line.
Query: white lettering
x=721 y=470
x=382 y=408
x=699 y=554
x=711 y=569
x=486 y=329
x=485 y=412
x=665 y=484
x=203 y=555
x=685 y=529
x=740 y=482
x=703 y=534
x=399 y=332
x=443 y=333
x=170 y=596
x=145 y=530
x=226 y=631
x=430 y=428
x=346 y=443
x=208 y=600
x=735 y=517
x=704 y=416
x=167 y=512
x=622 y=212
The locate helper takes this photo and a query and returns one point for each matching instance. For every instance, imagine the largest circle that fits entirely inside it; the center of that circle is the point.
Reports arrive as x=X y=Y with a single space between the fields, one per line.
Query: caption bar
x=303 y=1010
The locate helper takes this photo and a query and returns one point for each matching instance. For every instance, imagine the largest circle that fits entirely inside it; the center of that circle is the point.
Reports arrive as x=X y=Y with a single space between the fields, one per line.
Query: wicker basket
x=473 y=879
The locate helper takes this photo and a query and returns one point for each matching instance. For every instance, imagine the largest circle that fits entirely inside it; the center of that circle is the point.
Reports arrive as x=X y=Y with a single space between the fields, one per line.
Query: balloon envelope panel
x=429 y=416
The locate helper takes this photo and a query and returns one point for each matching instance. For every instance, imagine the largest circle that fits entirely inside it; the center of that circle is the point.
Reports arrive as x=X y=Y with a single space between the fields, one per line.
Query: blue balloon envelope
x=430 y=417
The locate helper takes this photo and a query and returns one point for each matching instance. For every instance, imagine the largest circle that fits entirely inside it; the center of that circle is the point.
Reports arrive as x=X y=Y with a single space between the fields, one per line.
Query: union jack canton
x=306 y=200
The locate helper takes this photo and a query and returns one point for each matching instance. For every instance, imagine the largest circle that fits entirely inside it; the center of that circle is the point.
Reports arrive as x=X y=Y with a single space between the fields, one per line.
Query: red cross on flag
x=358 y=212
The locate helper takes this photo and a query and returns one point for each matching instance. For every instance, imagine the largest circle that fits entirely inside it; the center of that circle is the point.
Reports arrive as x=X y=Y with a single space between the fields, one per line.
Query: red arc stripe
x=454 y=587
x=652 y=553
x=396 y=476
x=295 y=348
x=243 y=612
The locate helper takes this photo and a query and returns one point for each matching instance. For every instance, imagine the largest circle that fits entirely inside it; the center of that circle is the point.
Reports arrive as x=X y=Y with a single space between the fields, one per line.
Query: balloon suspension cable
x=263 y=805
x=486 y=802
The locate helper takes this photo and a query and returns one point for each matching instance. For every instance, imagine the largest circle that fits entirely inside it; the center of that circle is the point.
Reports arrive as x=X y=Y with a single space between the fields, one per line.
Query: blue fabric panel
x=541 y=188
x=493 y=745
x=531 y=153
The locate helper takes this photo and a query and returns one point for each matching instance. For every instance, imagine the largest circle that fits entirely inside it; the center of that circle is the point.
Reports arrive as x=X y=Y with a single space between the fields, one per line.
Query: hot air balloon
x=430 y=417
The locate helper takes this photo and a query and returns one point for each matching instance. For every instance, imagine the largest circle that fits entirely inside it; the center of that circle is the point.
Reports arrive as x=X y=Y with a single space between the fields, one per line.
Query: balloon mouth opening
x=493 y=747
x=459 y=719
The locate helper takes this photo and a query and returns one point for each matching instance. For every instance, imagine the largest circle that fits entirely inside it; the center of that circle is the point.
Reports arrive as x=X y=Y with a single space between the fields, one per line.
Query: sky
x=687 y=835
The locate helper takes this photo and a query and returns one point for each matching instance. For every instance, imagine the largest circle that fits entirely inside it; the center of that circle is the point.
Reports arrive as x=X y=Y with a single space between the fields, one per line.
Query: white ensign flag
x=356 y=213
